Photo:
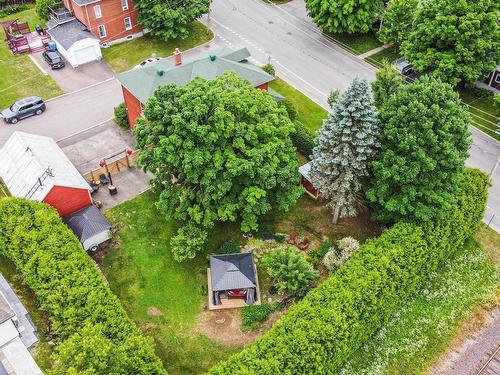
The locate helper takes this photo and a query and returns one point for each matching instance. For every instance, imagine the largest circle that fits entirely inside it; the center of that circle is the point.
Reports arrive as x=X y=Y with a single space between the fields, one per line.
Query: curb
x=80 y=90
x=84 y=130
x=38 y=65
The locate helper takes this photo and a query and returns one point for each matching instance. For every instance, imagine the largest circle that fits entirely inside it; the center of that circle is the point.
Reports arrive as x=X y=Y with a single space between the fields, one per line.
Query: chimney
x=177 y=57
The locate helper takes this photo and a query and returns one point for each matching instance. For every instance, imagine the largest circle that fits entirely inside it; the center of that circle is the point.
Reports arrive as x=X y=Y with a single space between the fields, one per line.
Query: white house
x=75 y=42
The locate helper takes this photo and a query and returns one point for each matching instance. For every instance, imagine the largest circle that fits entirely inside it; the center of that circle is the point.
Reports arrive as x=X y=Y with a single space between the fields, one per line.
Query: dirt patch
x=223 y=326
x=153 y=311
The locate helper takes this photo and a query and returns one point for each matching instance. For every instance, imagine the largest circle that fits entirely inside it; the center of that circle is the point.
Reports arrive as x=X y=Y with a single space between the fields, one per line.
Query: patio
x=21 y=39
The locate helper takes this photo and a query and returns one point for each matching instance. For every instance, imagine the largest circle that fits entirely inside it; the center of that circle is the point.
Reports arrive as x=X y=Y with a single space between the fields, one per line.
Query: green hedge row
x=92 y=330
x=319 y=333
x=303 y=139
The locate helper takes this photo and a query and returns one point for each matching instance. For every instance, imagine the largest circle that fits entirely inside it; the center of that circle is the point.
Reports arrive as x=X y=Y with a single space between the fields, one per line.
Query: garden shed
x=90 y=226
x=36 y=168
x=232 y=281
x=305 y=180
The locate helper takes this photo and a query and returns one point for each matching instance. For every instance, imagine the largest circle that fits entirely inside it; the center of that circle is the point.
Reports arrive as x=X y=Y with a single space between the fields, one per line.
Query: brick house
x=140 y=83
x=81 y=27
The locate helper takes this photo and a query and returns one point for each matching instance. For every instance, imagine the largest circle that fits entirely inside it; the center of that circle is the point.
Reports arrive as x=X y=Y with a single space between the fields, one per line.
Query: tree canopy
x=168 y=20
x=338 y=16
x=424 y=143
x=345 y=145
x=397 y=21
x=388 y=82
x=220 y=150
x=458 y=40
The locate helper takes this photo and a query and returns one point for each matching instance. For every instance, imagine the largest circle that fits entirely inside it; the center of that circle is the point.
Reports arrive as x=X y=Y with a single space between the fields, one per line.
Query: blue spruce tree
x=346 y=143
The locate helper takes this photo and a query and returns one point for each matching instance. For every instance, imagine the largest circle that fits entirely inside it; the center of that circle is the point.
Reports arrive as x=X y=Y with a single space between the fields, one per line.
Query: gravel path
x=469 y=356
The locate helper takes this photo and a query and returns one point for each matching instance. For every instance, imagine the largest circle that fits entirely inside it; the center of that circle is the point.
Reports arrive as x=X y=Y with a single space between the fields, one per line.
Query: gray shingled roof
x=87 y=222
x=232 y=271
x=142 y=82
x=68 y=33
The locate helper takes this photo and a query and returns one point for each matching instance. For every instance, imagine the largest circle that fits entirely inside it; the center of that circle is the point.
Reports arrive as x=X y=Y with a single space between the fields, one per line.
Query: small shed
x=232 y=281
x=90 y=226
x=75 y=42
x=36 y=168
x=306 y=182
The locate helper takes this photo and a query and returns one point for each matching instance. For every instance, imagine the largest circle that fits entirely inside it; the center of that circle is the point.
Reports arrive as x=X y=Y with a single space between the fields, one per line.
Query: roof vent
x=212 y=57
x=160 y=72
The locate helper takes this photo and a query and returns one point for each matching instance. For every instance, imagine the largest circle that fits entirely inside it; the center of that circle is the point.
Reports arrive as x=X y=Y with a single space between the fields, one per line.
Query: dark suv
x=53 y=59
x=23 y=108
x=406 y=70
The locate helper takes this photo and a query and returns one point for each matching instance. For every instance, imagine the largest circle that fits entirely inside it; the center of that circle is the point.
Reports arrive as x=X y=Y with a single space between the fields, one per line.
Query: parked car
x=23 y=108
x=404 y=67
x=54 y=59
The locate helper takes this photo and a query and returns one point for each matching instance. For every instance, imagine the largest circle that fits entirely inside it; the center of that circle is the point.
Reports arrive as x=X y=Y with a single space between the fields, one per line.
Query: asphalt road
x=71 y=113
x=285 y=36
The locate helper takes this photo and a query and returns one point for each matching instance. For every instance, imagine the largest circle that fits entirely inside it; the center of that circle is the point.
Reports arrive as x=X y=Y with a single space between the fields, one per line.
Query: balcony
x=59 y=14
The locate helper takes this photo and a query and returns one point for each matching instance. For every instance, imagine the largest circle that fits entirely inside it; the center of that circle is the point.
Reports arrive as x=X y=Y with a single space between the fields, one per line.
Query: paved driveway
x=72 y=79
x=71 y=113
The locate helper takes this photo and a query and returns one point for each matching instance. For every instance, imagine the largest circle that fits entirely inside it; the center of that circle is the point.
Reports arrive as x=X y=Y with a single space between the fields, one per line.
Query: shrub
x=289 y=108
x=42 y=8
x=121 y=117
x=321 y=332
x=188 y=242
x=92 y=330
x=335 y=257
x=303 y=139
x=254 y=315
x=290 y=271
x=316 y=255
x=348 y=245
x=12 y=9
x=229 y=247
x=330 y=260
x=332 y=98
x=269 y=69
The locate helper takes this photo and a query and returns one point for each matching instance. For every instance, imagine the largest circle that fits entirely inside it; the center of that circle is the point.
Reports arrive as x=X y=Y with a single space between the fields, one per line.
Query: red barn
x=35 y=168
x=306 y=182
x=140 y=83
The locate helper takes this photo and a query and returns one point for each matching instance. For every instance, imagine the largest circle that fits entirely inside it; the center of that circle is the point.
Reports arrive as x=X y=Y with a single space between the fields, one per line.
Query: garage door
x=85 y=55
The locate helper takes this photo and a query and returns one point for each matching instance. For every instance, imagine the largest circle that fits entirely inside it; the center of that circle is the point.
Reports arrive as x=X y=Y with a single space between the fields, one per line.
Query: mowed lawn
x=124 y=56
x=19 y=75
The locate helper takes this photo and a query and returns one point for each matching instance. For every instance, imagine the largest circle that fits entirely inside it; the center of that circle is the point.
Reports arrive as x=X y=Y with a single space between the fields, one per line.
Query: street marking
x=84 y=130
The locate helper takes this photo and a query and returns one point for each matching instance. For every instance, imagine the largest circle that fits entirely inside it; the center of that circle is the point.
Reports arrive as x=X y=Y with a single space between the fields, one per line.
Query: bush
x=92 y=330
x=254 y=315
x=332 y=98
x=316 y=255
x=188 y=242
x=290 y=271
x=229 y=247
x=12 y=9
x=336 y=257
x=42 y=8
x=269 y=69
x=289 y=108
x=319 y=333
x=303 y=139
x=121 y=117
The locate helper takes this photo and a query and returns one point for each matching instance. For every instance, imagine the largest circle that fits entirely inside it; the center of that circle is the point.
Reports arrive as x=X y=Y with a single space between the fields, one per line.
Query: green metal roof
x=143 y=81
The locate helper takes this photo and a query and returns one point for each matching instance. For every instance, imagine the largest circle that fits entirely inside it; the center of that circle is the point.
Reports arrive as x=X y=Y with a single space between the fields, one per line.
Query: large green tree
x=220 y=150
x=458 y=40
x=424 y=143
x=397 y=21
x=169 y=19
x=345 y=145
x=338 y=16
x=388 y=82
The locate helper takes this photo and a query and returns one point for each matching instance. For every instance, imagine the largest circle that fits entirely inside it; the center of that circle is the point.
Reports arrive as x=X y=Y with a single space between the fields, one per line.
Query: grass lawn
x=310 y=113
x=487 y=122
x=19 y=76
x=423 y=328
x=357 y=43
x=124 y=56
x=43 y=350
x=387 y=54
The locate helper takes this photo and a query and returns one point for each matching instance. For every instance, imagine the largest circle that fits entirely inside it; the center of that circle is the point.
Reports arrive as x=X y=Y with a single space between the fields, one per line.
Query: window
x=128 y=23
x=497 y=78
x=102 y=31
x=124 y=4
x=97 y=11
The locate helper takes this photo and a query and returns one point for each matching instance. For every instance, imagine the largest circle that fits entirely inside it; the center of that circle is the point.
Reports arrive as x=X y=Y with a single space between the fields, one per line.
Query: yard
x=124 y=56
x=357 y=43
x=20 y=76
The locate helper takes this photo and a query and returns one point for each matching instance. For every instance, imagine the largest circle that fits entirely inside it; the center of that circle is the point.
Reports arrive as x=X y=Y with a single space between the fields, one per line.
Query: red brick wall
x=133 y=106
x=67 y=200
x=264 y=86
x=112 y=18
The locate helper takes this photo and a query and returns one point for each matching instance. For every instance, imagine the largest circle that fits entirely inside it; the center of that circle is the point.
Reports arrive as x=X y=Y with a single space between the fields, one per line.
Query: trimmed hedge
x=93 y=332
x=319 y=333
x=303 y=139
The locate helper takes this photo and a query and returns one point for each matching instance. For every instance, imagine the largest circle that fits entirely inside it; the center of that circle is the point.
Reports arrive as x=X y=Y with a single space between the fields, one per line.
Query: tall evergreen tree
x=345 y=145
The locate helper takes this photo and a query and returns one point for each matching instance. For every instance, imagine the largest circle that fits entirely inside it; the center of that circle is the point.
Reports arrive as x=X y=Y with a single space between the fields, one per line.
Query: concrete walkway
x=373 y=51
